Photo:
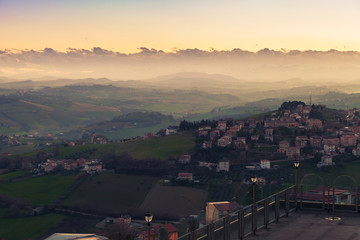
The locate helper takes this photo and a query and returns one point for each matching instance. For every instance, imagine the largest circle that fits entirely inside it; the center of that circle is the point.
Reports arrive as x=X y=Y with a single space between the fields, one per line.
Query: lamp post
x=254 y=180
x=148 y=219
x=296 y=165
x=254 y=213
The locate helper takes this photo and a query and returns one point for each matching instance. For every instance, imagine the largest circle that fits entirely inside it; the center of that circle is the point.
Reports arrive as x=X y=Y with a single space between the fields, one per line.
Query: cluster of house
x=10 y=139
x=171 y=230
x=330 y=143
x=320 y=138
x=227 y=135
x=92 y=138
x=88 y=165
x=222 y=165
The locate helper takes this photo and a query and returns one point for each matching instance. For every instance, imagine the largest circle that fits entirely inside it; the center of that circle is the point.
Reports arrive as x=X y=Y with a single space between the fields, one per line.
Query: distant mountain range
x=61 y=105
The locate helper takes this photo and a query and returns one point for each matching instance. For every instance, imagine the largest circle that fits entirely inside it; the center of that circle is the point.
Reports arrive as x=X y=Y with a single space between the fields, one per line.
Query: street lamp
x=254 y=207
x=296 y=165
x=148 y=219
x=254 y=180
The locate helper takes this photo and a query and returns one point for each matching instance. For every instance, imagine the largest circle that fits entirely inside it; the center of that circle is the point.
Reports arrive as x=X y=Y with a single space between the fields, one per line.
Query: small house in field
x=185 y=176
x=185 y=159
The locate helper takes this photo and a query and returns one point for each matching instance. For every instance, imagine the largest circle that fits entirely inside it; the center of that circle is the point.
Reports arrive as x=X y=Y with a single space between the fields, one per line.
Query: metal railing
x=330 y=198
x=246 y=221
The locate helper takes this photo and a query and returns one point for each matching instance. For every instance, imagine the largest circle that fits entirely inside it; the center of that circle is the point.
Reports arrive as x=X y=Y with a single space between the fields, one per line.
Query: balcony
x=293 y=213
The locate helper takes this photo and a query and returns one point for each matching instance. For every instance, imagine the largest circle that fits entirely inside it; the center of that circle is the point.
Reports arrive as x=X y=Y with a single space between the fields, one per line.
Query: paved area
x=312 y=225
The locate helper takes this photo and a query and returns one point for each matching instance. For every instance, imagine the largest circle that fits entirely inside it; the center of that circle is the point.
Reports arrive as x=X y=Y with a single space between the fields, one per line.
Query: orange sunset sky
x=124 y=26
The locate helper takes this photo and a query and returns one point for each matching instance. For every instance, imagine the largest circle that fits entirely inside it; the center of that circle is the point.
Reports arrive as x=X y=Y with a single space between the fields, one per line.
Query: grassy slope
x=160 y=147
x=27 y=228
x=39 y=190
x=112 y=192
x=14 y=174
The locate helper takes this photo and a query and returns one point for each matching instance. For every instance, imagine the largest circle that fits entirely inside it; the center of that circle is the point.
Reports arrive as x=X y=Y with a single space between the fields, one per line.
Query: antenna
x=310 y=100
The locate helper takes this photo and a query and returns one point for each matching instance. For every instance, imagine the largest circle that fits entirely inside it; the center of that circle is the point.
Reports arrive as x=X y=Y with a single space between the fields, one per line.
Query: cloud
x=49 y=51
x=100 y=51
x=149 y=62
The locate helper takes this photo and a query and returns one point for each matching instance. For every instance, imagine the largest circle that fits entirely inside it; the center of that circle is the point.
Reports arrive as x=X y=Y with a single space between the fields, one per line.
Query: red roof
x=182 y=174
x=168 y=227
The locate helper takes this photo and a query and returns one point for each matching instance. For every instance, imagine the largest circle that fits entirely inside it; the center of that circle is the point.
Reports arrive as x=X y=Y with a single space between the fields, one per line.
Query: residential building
x=75 y=236
x=231 y=133
x=329 y=149
x=265 y=164
x=356 y=151
x=214 y=134
x=283 y=145
x=223 y=165
x=203 y=133
x=149 y=135
x=331 y=141
x=348 y=140
x=221 y=125
x=185 y=159
x=224 y=141
x=293 y=152
x=255 y=138
x=216 y=210
x=185 y=176
x=326 y=160
x=269 y=131
x=314 y=123
x=306 y=109
x=170 y=131
x=170 y=229
x=316 y=141
x=207 y=144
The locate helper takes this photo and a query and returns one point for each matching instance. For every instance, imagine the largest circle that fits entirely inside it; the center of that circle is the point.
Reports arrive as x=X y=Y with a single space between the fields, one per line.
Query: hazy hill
x=142 y=120
x=67 y=104
x=70 y=107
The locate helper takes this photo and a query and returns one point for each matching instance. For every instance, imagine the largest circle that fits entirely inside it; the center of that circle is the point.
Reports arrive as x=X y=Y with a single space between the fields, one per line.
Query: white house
x=265 y=164
x=223 y=165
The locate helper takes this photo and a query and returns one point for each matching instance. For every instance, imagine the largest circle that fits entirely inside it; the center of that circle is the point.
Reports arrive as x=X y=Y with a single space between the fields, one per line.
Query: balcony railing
x=246 y=221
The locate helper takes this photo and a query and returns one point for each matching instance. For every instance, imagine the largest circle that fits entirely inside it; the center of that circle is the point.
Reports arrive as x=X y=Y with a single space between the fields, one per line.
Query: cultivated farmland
x=174 y=201
x=111 y=192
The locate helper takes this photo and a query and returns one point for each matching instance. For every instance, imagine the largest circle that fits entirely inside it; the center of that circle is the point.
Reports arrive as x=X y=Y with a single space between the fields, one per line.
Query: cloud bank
x=265 y=64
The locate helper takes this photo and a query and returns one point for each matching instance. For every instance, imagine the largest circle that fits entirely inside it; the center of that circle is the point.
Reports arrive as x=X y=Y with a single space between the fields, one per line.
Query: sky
x=130 y=39
x=127 y=25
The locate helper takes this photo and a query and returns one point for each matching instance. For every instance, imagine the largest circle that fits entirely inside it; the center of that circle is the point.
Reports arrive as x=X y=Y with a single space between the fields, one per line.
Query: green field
x=39 y=190
x=9 y=130
x=162 y=147
x=112 y=192
x=11 y=175
x=27 y=227
x=158 y=147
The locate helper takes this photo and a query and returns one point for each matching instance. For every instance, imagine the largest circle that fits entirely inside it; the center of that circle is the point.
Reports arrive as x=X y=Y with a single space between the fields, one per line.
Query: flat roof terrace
x=312 y=225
